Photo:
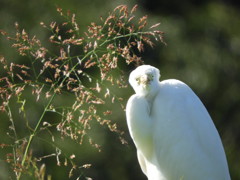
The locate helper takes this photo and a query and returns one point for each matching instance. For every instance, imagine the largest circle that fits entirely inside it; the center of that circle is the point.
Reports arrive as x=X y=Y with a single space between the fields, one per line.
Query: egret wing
x=185 y=141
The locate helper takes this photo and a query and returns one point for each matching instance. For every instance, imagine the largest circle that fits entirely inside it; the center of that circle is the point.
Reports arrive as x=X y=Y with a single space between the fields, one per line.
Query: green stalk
x=41 y=118
x=34 y=132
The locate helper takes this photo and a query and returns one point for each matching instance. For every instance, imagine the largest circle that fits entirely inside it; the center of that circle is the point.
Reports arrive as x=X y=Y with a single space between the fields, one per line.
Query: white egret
x=172 y=130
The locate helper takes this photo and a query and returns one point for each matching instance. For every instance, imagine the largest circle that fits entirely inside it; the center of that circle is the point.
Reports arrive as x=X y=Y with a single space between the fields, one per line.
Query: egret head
x=144 y=80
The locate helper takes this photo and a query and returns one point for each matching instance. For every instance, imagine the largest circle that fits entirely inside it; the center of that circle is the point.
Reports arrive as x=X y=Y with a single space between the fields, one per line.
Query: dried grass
x=100 y=49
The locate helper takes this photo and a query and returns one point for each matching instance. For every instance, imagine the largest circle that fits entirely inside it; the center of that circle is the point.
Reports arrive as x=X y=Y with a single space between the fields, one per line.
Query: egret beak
x=144 y=79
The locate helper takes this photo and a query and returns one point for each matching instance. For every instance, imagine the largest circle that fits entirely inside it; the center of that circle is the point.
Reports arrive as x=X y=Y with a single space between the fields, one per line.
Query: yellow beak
x=144 y=79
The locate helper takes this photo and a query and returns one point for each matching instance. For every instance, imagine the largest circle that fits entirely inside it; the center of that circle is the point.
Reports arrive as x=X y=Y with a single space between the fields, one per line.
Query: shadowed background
x=203 y=50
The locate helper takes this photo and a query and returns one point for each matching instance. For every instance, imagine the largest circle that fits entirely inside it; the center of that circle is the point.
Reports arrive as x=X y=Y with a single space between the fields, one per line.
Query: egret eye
x=137 y=80
x=150 y=76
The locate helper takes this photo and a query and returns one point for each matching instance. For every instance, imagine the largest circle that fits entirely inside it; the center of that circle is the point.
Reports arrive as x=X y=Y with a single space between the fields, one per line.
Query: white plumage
x=172 y=130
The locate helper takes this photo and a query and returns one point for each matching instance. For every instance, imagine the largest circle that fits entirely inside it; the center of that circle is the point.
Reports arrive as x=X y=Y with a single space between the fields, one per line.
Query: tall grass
x=87 y=68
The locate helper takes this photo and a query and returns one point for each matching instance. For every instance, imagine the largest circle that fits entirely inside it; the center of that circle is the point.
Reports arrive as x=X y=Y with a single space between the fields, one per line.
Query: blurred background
x=203 y=50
